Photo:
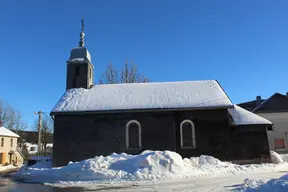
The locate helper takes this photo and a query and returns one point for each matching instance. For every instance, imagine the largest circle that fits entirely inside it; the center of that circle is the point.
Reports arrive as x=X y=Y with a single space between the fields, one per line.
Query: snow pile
x=147 y=166
x=42 y=162
x=204 y=161
x=284 y=157
x=278 y=185
x=276 y=158
x=185 y=94
x=41 y=165
x=151 y=165
x=7 y=167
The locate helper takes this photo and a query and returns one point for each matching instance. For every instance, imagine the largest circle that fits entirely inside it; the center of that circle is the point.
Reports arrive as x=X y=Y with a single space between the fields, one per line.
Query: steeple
x=82 y=34
x=80 y=70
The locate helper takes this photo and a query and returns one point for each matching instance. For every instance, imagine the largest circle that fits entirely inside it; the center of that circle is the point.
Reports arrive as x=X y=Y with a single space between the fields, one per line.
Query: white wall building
x=275 y=109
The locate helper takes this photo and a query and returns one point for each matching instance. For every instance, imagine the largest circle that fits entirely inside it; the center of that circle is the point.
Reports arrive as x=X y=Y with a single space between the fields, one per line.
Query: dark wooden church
x=190 y=117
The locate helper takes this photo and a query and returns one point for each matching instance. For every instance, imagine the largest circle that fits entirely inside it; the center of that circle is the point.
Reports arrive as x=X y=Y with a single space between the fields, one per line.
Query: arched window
x=187 y=134
x=133 y=135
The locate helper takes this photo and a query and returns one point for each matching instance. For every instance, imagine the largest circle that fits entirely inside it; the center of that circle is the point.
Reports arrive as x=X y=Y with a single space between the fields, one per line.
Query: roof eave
x=141 y=110
x=79 y=62
x=9 y=136
x=251 y=124
x=224 y=92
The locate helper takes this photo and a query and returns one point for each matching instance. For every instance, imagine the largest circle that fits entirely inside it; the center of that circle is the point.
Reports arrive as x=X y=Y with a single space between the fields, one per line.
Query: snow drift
x=147 y=166
x=276 y=158
x=280 y=184
x=259 y=185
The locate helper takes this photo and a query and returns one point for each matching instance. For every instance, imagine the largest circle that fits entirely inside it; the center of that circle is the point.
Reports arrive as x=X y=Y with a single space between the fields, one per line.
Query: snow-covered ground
x=206 y=184
x=161 y=170
x=262 y=185
x=6 y=168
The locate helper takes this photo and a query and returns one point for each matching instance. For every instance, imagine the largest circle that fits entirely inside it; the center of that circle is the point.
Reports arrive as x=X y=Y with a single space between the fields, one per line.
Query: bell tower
x=80 y=70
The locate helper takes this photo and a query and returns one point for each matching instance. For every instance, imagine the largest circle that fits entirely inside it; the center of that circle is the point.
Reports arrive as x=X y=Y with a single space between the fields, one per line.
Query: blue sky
x=243 y=44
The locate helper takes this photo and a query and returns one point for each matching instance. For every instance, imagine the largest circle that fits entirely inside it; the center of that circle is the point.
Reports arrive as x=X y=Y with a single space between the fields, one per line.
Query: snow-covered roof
x=80 y=54
x=241 y=116
x=133 y=96
x=7 y=132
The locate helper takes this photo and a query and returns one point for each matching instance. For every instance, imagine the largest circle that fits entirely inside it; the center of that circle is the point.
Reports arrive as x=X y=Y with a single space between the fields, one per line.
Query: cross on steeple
x=82 y=22
x=82 y=34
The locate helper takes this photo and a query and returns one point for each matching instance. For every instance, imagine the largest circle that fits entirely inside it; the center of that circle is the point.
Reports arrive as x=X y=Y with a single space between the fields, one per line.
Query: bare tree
x=46 y=131
x=11 y=118
x=128 y=74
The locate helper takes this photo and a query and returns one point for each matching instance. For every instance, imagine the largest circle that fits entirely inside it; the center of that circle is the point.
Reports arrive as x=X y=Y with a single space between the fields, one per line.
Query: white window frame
x=139 y=135
x=193 y=134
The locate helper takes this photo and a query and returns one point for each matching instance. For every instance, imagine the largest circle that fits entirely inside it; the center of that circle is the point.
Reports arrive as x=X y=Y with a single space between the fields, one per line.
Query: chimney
x=258 y=100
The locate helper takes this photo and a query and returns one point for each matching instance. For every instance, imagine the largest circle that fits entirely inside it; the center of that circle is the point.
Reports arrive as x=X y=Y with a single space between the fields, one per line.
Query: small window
x=2 y=142
x=11 y=142
x=133 y=135
x=279 y=143
x=187 y=134
x=90 y=70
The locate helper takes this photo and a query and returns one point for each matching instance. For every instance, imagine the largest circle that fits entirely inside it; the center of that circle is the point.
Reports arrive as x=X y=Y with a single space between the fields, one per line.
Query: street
x=211 y=184
x=8 y=185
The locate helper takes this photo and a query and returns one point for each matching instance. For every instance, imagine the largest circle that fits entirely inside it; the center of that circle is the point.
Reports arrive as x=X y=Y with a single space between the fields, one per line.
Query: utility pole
x=39 y=113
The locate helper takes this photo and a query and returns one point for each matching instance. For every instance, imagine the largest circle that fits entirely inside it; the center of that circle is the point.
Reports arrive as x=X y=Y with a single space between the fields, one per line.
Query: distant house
x=190 y=117
x=275 y=109
x=9 y=153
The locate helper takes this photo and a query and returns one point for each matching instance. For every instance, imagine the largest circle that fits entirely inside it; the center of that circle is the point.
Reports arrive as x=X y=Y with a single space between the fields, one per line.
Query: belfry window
x=77 y=71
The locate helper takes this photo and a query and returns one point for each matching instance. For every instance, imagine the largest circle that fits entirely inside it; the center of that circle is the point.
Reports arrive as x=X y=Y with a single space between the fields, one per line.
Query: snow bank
x=280 y=184
x=284 y=157
x=7 y=167
x=147 y=166
x=258 y=185
x=41 y=158
x=276 y=158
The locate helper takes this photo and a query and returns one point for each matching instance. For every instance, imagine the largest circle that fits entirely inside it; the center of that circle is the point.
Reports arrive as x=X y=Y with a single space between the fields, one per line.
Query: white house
x=275 y=109
x=9 y=153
